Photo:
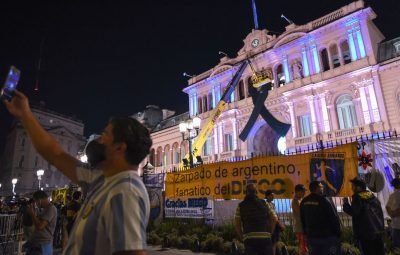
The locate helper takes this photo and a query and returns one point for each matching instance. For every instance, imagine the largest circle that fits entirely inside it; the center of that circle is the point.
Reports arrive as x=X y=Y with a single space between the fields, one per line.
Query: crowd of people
x=317 y=225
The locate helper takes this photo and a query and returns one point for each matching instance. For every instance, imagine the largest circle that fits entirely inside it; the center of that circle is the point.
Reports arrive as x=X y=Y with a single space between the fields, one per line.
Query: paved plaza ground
x=157 y=250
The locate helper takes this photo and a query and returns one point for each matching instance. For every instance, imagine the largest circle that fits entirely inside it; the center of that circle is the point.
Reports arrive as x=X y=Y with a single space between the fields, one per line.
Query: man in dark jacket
x=254 y=222
x=367 y=215
x=320 y=222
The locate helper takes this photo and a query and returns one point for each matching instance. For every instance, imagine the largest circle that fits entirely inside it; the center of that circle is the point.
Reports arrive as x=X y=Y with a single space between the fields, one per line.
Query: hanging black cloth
x=258 y=97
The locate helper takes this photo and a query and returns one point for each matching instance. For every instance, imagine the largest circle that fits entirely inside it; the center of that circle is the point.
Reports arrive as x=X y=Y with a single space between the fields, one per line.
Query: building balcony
x=342 y=134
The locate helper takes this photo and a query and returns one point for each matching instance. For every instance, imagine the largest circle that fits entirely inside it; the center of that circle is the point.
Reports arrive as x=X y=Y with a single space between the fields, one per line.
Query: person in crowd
x=299 y=192
x=254 y=223
x=393 y=210
x=73 y=209
x=44 y=223
x=27 y=223
x=116 y=211
x=367 y=218
x=320 y=222
x=269 y=197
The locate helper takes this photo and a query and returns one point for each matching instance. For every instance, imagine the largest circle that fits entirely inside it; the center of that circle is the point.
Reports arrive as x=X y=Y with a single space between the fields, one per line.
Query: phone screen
x=11 y=83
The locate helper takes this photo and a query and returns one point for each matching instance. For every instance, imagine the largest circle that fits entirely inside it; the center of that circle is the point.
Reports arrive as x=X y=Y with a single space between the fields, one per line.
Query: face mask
x=95 y=153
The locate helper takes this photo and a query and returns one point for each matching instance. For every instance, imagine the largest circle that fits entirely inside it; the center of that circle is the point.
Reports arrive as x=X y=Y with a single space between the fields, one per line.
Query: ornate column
x=286 y=69
x=379 y=98
x=306 y=70
x=364 y=105
x=333 y=115
x=360 y=42
x=235 y=135
x=352 y=45
x=216 y=149
x=312 y=111
x=292 y=118
x=317 y=66
x=221 y=137
x=325 y=116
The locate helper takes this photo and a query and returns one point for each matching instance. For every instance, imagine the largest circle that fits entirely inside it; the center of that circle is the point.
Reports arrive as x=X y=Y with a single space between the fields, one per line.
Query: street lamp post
x=186 y=128
x=39 y=174
x=14 y=182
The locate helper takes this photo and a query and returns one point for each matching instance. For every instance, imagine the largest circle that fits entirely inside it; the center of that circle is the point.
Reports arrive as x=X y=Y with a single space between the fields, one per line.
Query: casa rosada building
x=334 y=78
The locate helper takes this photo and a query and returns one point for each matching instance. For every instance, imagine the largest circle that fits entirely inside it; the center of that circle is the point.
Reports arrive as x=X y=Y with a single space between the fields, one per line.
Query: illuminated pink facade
x=334 y=79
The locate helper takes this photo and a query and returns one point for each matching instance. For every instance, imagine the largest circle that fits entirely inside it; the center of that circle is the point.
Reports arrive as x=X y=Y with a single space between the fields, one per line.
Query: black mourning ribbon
x=258 y=97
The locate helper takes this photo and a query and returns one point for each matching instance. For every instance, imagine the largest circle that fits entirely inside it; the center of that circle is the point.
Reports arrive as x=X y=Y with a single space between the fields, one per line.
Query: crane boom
x=208 y=128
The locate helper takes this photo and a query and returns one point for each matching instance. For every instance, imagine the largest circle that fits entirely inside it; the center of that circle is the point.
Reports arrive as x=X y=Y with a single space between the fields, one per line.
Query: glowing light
x=83 y=158
x=282 y=145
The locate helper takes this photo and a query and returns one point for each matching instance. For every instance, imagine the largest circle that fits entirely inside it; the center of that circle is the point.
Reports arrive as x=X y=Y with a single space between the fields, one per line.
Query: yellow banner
x=227 y=180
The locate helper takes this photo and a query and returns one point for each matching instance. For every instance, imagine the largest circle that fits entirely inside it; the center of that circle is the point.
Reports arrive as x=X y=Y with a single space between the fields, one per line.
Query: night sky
x=113 y=58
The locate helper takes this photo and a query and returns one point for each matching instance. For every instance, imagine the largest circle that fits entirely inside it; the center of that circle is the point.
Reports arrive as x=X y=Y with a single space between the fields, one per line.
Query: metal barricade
x=11 y=233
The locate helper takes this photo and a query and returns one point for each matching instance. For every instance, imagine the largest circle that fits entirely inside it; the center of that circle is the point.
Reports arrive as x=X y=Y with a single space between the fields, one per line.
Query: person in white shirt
x=114 y=216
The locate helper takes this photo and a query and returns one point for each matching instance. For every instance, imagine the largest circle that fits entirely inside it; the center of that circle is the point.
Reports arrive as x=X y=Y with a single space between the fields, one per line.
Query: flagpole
x=253 y=3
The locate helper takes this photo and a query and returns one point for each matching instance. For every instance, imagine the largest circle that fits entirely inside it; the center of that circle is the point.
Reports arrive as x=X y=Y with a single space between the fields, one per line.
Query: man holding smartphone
x=114 y=216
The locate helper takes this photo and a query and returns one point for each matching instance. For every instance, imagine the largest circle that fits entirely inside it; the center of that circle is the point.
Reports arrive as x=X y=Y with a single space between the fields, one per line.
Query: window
x=335 y=56
x=346 y=112
x=23 y=142
x=305 y=125
x=21 y=161
x=344 y=47
x=207 y=147
x=199 y=105
x=177 y=157
x=36 y=161
x=325 y=60
x=241 y=90
x=228 y=142
x=280 y=74
x=210 y=102
x=205 y=104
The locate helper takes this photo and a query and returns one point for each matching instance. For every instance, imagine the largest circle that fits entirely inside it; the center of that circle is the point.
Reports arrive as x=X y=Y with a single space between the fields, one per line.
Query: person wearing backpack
x=367 y=217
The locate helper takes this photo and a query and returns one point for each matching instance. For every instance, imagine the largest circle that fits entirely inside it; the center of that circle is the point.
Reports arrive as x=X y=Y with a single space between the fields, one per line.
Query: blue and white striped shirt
x=114 y=216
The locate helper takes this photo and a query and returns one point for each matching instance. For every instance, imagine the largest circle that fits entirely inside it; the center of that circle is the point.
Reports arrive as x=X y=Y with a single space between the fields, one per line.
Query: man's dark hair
x=314 y=185
x=77 y=195
x=40 y=194
x=134 y=135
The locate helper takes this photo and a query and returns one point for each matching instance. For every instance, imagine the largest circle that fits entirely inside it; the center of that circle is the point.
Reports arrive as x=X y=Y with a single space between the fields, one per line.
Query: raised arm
x=43 y=142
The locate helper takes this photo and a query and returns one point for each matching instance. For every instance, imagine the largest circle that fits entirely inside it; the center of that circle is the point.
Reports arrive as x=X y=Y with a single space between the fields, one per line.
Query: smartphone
x=11 y=83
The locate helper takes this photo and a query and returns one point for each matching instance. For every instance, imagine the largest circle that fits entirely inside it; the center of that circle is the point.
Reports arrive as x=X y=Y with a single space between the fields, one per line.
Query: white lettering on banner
x=195 y=208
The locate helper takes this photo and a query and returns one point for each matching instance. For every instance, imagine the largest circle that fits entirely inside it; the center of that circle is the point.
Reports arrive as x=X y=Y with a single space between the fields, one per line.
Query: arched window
x=159 y=156
x=344 y=47
x=335 y=55
x=325 y=60
x=167 y=155
x=241 y=90
x=176 y=157
x=280 y=75
x=346 y=112
x=208 y=146
x=153 y=157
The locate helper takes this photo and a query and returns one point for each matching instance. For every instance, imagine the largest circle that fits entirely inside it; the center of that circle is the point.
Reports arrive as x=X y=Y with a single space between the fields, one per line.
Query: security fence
x=11 y=233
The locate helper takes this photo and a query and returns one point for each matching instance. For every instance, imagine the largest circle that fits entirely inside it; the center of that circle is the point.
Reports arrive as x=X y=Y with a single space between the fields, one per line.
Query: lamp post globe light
x=14 y=182
x=190 y=130
x=39 y=174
